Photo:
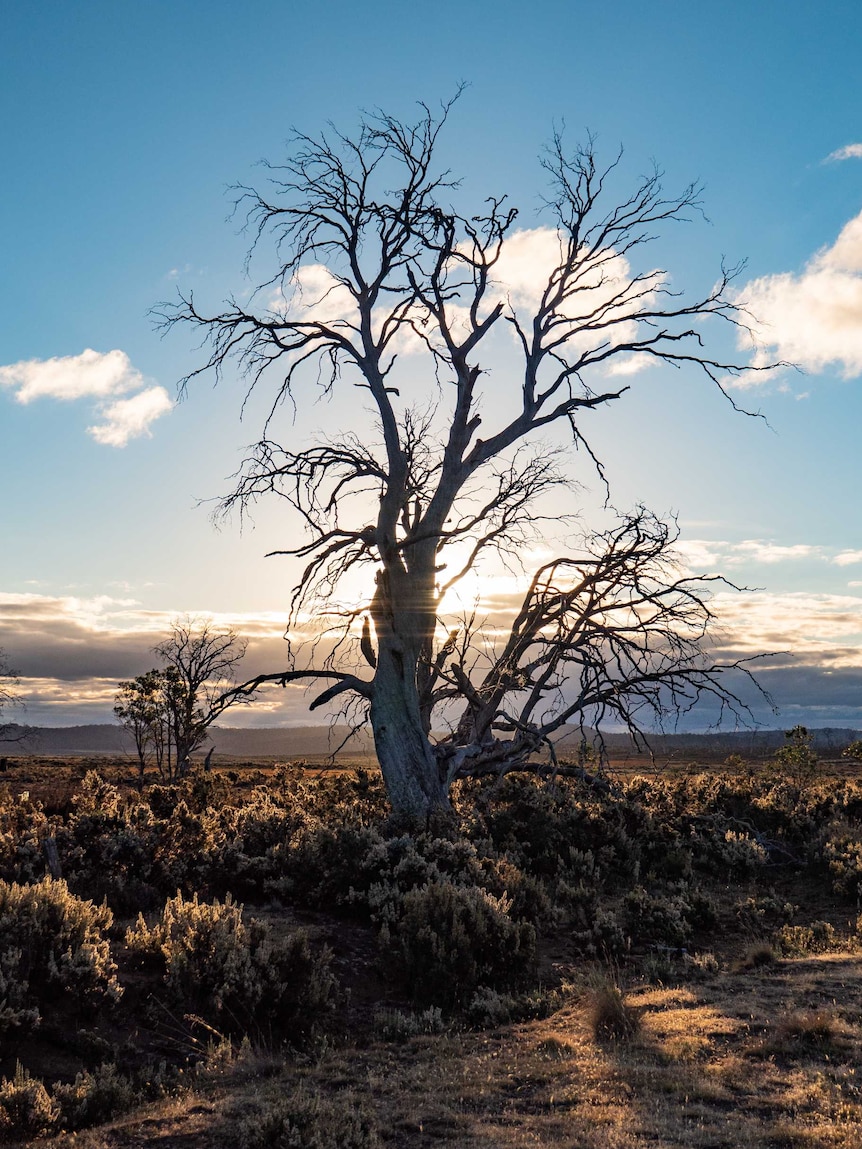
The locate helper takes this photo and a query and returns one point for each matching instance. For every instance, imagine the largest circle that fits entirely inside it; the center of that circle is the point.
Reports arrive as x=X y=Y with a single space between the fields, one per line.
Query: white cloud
x=813 y=319
x=765 y=552
x=848 y=152
x=92 y=373
x=531 y=256
x=315 y=293
x=127 y=419
x=103 y=376
x=846 y=558
x=528 y=259
x=698 y=554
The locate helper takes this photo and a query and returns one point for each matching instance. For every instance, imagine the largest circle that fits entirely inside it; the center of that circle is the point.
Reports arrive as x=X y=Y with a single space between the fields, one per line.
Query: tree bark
x=404 y=751
x=403 y=622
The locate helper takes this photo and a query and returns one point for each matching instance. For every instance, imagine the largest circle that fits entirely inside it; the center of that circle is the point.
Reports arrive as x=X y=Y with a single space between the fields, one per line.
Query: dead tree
x=200 y=669
x=373 y=263
x=10 y=698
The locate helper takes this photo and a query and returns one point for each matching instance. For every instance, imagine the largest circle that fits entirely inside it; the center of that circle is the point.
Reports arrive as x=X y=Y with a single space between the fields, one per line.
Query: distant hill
x=267 y=742
x=828 y=741
x=319 y=741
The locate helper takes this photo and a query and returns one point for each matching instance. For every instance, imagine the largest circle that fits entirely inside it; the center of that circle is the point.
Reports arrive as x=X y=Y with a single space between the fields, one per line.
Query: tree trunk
x=407 y=760
x=405 y=754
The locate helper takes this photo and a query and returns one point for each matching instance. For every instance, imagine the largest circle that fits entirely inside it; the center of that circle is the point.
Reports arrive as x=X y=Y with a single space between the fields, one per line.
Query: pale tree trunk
x=404 y=751
x=404 y=626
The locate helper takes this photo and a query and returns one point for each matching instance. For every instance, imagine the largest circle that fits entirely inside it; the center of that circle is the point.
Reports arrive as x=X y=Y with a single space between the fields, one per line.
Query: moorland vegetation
x=270 y=941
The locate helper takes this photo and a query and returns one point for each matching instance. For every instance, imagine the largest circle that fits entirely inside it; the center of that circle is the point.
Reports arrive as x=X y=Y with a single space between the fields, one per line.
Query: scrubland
x=266 y=958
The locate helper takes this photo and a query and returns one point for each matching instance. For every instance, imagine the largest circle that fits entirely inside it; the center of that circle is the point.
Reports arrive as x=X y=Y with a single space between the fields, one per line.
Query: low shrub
x=797 y=941
x=489 y=1007
x=451 y=940
x=656 y=919
x=233 y=972
x=26 y=1107
x=396 y=1025
x=23 y=828
x=843 y=854
x=760 y=914
x=302 y=1120
x=52 y=946
x=93 y=1098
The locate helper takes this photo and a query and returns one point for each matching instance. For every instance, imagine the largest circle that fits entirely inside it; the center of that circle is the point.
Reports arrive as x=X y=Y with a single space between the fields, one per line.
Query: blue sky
x=122 y=128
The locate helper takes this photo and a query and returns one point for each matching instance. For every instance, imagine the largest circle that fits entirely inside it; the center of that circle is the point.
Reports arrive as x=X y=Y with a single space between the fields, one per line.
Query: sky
x=123 y=129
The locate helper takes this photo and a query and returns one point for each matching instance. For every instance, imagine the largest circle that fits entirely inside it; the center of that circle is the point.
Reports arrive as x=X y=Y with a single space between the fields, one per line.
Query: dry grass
x=756 y=957
x=699 y=1072
x=609 y=1015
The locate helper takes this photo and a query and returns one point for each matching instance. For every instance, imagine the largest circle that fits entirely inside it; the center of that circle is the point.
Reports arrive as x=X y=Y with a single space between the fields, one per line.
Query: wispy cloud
x=813 y=319
x=102 y=376
x=700 y=554
x=848 y=152
x=823 y=630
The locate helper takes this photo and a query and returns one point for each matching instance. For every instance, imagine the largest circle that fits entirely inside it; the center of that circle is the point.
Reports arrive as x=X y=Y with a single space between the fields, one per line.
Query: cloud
x=813 y=319
x=103 y=376
x=73 y=651
x=823 y=630
x=127 y=419
x=315 y=293
x=848 y=152
x=527 y=262
x=847 y=558
x=699 y=554
x=528 y=259
x=92 y=373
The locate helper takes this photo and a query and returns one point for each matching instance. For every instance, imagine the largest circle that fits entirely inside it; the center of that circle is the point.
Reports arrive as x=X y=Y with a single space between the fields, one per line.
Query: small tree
x=373 y=262
x=141 y=707
x=797 y=758
x=169 y=710
x=201 y=662
x=9 y=697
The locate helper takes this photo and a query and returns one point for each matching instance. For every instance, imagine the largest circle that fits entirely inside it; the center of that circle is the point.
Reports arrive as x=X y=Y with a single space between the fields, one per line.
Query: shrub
x=94 y=1097
x=656 y=919
x=488 y=1007
x=304 y=1121
x=23 y=827
x=52 y=944
x=796 y=941
x=843 y=853
x=761 y=913
x=26 y=1107
x=797 y=759
x=233 y=972
x=451 y=940
x=395 y=1025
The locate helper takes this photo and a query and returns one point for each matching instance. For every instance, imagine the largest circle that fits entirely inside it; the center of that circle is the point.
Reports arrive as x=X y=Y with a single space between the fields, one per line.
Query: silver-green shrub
x=450 y=940
x=232 y=971
x=52 y=944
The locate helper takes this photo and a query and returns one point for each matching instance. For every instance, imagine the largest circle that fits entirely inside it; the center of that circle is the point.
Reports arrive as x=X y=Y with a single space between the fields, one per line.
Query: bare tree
x=200 y=667
x=10 y=698
x=374 y=262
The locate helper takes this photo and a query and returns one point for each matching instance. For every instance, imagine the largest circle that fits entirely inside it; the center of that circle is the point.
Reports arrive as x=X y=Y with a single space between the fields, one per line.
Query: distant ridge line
x=320 y=741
